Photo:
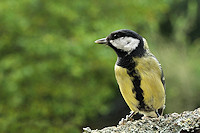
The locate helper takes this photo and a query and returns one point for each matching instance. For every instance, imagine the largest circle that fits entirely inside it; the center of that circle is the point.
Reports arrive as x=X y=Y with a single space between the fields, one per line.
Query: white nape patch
x=127 y=44
x=145 y=44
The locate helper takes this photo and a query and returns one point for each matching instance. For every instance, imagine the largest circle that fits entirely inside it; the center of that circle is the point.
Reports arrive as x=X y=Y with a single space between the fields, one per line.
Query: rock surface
x=186 y=122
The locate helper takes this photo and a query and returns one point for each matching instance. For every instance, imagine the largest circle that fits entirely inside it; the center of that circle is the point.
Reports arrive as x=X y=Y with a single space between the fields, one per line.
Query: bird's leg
x=157 y=114
x=128 y=118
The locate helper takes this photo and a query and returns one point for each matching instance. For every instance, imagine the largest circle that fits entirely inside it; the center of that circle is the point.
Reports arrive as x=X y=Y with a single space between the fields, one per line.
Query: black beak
x=101 y=41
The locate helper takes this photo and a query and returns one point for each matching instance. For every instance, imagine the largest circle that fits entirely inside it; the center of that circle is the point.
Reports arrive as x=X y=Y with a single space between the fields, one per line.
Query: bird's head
x=125 y=42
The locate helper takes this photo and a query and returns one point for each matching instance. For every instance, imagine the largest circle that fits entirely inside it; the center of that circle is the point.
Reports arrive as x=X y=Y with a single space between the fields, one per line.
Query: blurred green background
x=53 y=78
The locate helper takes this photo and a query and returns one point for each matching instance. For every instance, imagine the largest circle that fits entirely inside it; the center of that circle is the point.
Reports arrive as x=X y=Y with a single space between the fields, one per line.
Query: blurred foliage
x=53 y=78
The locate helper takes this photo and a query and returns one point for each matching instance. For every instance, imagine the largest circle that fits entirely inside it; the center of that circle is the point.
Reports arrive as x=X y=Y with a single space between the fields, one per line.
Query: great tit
x=138 y=73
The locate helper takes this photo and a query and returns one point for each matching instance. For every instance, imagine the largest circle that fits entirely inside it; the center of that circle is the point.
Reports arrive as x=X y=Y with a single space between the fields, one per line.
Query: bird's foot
x=123 y=121
x=131 y=117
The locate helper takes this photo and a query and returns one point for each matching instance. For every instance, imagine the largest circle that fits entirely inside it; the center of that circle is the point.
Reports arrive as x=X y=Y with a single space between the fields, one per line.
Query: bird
x=138 y=73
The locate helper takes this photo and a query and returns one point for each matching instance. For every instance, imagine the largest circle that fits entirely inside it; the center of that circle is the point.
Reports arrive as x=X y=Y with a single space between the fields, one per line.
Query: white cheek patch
x=127 y=44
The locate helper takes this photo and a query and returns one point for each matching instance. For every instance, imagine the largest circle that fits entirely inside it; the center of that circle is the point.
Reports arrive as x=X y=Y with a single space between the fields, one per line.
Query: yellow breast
x=150 y=73
x=126 y=86
x=153 y=89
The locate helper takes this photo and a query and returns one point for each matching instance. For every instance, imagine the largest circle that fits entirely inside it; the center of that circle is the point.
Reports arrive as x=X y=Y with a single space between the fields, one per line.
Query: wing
x=160 y=110
x=163 y=78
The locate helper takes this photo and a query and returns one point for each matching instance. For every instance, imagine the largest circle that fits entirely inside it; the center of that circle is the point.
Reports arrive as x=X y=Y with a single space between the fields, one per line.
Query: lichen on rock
x=188 y=121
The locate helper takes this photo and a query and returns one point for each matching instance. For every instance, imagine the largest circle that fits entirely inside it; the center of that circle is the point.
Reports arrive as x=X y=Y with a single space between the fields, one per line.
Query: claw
x=128 y=118
x=123 y=121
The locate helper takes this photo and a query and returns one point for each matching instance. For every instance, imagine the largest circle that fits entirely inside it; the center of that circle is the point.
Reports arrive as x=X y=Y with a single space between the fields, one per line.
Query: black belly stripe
x=139 y=92
x=136 y=89
x=129 y=64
